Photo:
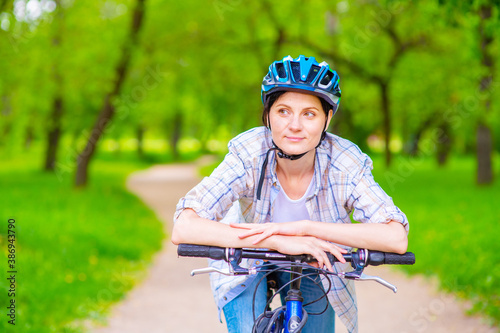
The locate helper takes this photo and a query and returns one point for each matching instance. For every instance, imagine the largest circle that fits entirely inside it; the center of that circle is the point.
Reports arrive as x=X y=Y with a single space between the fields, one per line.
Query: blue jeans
x=238 y=312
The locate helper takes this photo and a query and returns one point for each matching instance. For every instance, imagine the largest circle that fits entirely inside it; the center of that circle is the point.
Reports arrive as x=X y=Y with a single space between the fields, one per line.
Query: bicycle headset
x=304 y=75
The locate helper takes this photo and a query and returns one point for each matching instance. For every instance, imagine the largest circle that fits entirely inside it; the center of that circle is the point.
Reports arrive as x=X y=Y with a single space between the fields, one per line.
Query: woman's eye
x=283 y=111
x=309 y=114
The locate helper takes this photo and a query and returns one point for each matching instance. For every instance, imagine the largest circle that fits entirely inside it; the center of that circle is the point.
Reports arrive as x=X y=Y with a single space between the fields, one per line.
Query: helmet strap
x=263 y=172
x=282 y=154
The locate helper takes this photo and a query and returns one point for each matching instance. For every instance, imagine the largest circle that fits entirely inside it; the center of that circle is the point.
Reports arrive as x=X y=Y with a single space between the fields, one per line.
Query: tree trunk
x=140 y=141
x=5 y=127
x=29 y=137
x=108 y=109
x=54 y=135
x=444 y=142
x=484 y=136
x=54 y=122
x=176 y=134
x=414 y=140
x=484 y=148
x=386 y=116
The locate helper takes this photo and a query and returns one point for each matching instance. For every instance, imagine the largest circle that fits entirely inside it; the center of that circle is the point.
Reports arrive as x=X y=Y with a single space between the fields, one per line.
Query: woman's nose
x=295 y=123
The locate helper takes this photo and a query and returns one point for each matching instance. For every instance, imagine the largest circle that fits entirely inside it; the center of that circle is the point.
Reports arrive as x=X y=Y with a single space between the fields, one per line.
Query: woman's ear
x=329 y=118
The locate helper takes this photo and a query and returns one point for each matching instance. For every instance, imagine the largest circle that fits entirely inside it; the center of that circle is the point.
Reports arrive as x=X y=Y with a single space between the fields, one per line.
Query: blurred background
x=91 y=91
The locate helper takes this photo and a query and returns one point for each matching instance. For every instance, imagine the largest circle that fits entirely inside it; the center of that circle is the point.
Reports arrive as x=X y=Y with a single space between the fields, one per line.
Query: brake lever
x=360 y=276
x=379 y=280
x=209 y=270
x=227 y=271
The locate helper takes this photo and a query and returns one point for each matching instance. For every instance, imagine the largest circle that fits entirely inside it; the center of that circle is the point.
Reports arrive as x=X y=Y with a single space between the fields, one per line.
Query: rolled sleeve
x=214 y=195
x=370 y=202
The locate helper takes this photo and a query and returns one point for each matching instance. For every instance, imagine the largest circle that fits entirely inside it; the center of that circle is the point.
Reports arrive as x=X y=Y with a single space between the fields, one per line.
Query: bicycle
x=291 y=317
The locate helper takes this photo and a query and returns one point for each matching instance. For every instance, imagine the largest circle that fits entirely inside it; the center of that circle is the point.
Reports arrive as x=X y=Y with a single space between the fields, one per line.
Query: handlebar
x=372 y=258
x=359 y=260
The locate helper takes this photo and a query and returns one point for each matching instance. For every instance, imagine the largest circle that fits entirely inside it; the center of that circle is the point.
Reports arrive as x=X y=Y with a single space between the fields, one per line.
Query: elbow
x=182 y=230
x=400 y=240
x=176 y=238
x=401 y=246
x=178 y=231
x=401 y=243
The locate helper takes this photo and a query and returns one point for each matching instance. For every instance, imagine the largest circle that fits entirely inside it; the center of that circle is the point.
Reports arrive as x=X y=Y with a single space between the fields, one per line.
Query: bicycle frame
x=291 y=317
x=294 y=299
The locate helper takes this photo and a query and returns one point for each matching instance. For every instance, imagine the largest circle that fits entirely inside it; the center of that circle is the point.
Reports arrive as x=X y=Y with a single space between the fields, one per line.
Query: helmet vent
x=281 y=70
x=312 y=73
x=327 y=78
x=296 y=71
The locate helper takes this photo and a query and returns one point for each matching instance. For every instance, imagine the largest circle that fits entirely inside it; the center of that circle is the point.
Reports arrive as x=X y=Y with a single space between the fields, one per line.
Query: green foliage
x=199 y=78
x=77 y=251
x=453 y=226
x=207 y=68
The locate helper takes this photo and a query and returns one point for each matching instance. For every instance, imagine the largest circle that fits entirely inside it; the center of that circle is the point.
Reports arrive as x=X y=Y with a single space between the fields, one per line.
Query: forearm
x=193 y=229
x=388 y=237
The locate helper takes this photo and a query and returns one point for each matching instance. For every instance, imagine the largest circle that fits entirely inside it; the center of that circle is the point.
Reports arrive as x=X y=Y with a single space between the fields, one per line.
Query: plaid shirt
x=343 y=183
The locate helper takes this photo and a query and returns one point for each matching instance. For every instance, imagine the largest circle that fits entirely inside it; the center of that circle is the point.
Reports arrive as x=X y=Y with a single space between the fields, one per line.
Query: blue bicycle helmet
x=303 y=74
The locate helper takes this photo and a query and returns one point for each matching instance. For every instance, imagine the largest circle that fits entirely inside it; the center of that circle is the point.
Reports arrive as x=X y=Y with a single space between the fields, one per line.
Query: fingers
x=252 y=229
x=241 y=225
x=313 y=264
x=249 y=233
x=317 y=247
x=325 y=261
x=313 y=246
x=322 y=256
x=339 y=256
x=264 y=235
x=265 y=231
x=337 y=252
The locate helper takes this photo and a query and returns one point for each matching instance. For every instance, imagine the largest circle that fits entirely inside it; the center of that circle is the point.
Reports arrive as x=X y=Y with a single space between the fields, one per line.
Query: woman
x=292 y=187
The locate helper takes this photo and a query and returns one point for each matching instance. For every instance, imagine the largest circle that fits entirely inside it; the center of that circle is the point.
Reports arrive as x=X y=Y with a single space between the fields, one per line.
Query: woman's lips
x=294 y=138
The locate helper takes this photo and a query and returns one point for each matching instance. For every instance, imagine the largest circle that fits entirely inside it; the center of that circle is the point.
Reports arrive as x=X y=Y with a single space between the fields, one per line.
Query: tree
x=108 y=108
x=484 y=132
x=374 y=66
x=479 y=13
x=54 y=122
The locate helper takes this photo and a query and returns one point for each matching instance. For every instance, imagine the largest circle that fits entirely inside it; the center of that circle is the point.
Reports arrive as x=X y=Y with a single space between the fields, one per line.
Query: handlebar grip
x=399 y=259
x=202 y=251
x=375 y=258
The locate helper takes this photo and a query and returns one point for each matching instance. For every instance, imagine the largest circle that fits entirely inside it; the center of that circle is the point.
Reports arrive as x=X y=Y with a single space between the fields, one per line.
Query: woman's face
x=297 y=122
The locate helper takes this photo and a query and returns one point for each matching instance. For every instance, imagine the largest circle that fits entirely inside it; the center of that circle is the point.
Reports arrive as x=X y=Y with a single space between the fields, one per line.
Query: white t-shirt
x=288 y=210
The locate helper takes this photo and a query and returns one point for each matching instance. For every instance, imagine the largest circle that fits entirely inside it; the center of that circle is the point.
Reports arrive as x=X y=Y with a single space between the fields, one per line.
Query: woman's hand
x=268 y=229
x=316 y=247
x=290 y=238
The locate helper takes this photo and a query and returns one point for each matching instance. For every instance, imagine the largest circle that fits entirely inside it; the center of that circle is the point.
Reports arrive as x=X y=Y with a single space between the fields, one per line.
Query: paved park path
x=170 y=300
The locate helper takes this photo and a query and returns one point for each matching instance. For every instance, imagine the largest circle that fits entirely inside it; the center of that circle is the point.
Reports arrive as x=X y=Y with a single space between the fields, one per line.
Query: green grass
x=454 y=226
x=77 y=251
